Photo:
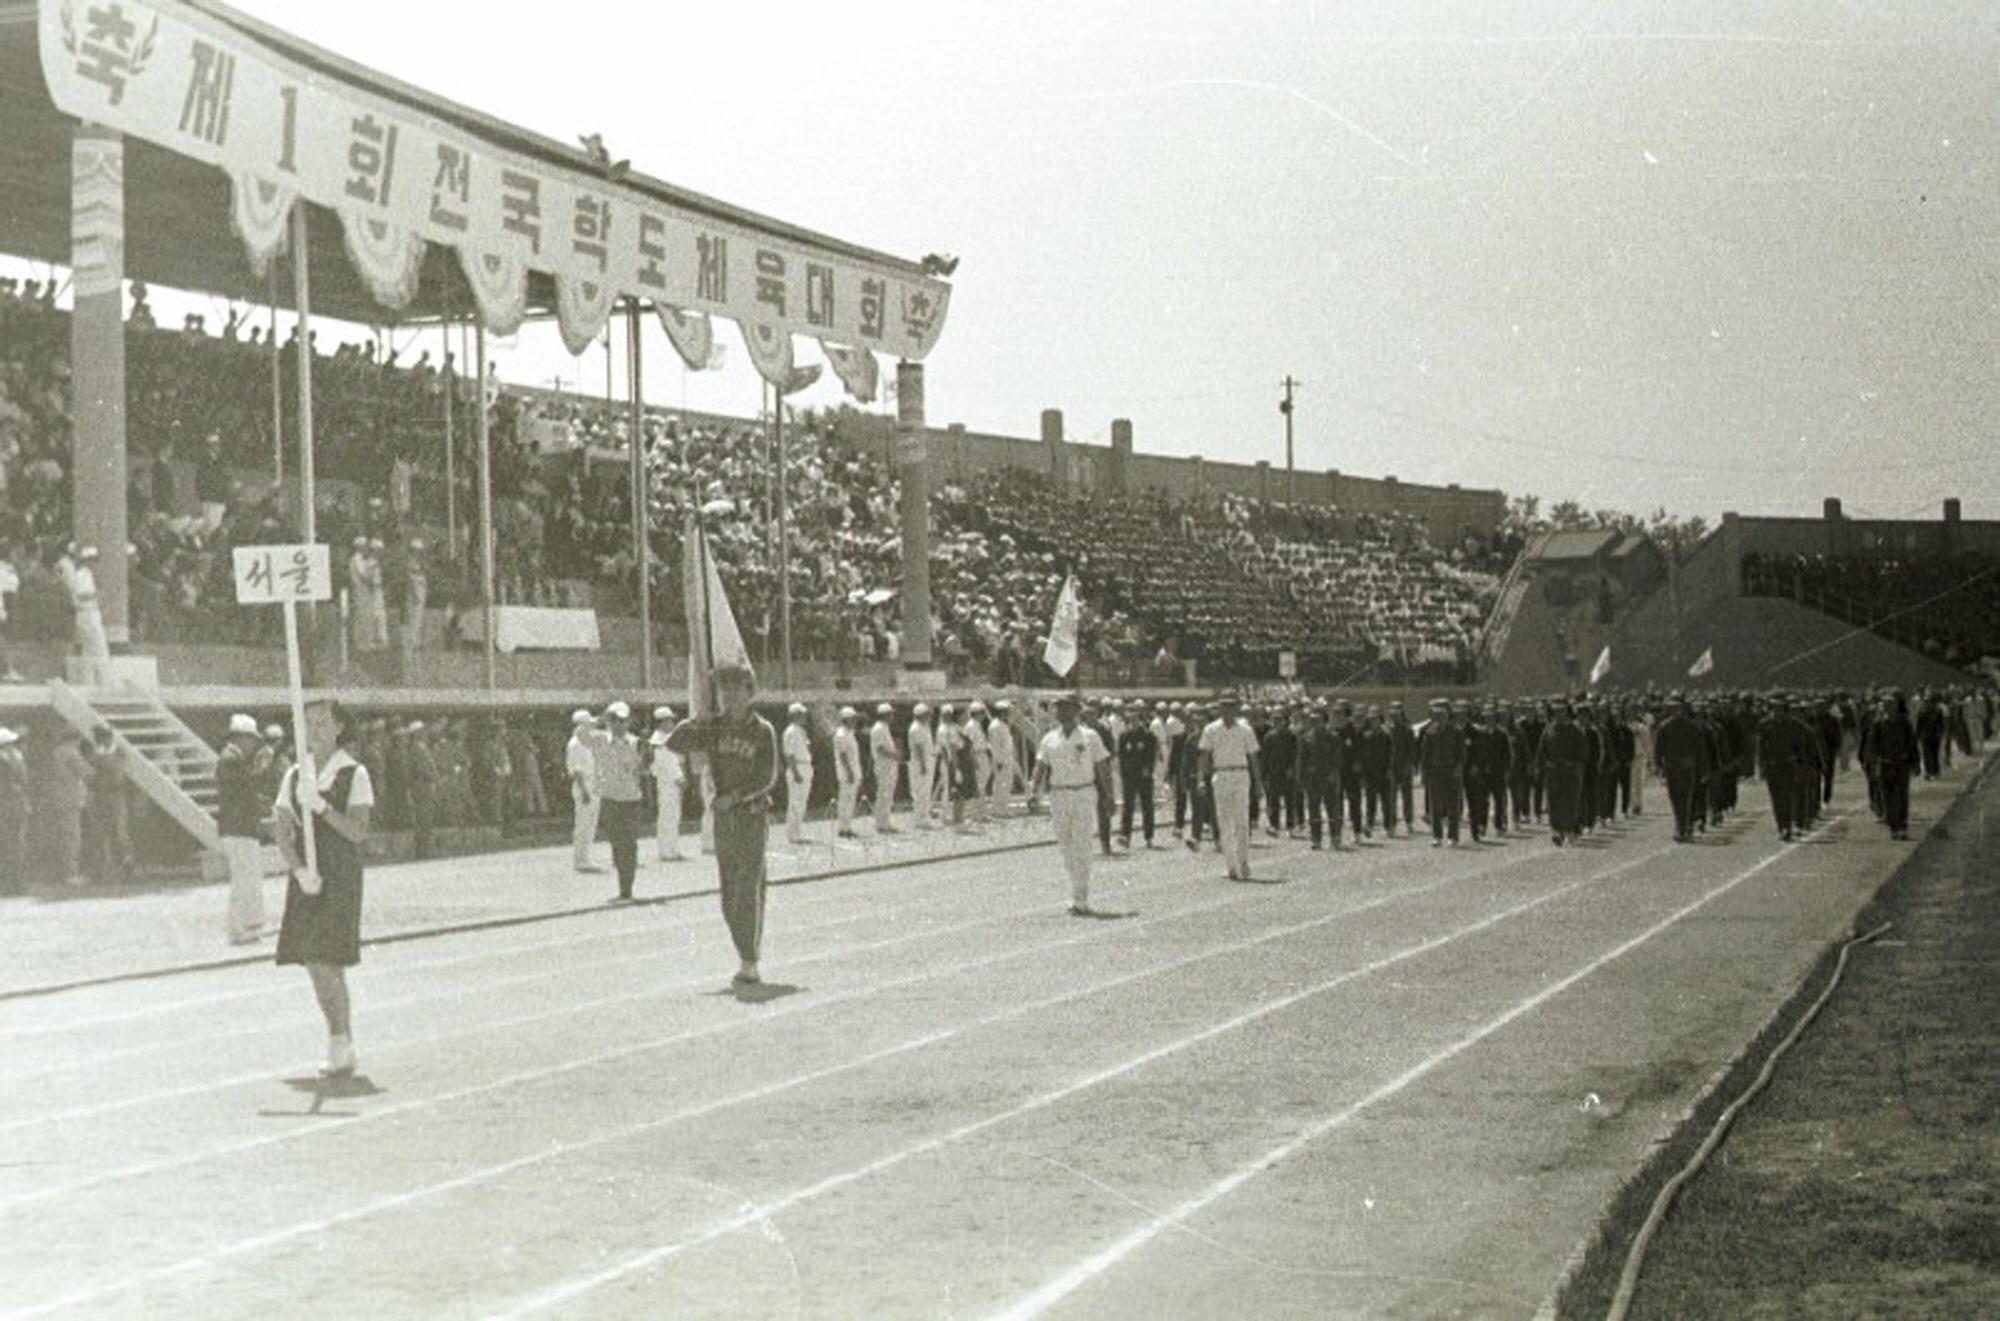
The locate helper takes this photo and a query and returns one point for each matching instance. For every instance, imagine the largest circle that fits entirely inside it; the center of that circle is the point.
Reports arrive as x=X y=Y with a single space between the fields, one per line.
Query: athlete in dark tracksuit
x=742 y=752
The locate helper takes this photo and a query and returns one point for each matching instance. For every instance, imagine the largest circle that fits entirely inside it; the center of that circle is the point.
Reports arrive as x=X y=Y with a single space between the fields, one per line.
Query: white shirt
x=882 y=743
x=923 y=744
x=1072 y=758
x=361 y=793
x=846 y=755
x=1229 y=746
x=1000 y=735
x=667 y=769
x=581 y=759
x=796 y=747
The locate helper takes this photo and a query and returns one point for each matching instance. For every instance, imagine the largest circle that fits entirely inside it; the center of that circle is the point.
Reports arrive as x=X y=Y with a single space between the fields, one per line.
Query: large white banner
x=175 y=76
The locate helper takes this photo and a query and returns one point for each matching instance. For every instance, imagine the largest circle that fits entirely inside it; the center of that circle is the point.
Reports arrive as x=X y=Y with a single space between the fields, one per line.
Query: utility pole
x=1291 y=479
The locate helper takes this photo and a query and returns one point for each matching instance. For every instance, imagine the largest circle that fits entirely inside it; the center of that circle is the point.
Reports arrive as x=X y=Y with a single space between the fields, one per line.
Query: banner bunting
x=187 y=80
x=857 y=370
x=260 y=212
x=390 y=261
x=770 y=349
x=693 y=336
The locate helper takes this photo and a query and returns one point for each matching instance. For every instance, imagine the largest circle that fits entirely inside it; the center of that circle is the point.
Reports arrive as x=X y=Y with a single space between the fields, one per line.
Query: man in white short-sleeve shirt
x=795 y=750
x=1074 y=766
x=1228 y=751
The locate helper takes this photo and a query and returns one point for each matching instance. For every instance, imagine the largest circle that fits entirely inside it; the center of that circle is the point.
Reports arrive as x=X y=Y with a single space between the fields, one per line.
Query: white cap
x=580 y=717
x=274 y=733
x=618 y=711
x=796 y=709
x=849 y=713
x=8 y=736
x=663 y=713
x=921 y=709
x=885 y=710
x=242 y=724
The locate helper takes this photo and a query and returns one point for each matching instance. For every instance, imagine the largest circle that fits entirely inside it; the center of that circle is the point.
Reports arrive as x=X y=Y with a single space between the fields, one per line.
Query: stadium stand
x=1344 y=593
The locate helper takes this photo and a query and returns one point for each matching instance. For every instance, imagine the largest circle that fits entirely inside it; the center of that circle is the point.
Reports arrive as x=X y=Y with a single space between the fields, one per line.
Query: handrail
x=155 y=783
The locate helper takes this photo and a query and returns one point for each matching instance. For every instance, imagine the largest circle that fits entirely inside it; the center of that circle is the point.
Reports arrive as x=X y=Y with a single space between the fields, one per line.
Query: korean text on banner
x=265 y=113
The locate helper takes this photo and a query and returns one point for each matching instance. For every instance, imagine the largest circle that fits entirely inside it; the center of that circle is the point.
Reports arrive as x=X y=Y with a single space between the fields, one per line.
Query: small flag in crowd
x=1061 y=651
x=1601 y=666
x=1702 y=663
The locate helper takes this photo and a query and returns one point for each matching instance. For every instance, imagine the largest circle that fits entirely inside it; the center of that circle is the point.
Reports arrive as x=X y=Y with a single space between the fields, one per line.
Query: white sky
x=1707 y=255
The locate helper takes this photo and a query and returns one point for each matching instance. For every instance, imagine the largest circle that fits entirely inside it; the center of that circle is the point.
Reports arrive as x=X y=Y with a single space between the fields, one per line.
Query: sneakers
x=340 y=1058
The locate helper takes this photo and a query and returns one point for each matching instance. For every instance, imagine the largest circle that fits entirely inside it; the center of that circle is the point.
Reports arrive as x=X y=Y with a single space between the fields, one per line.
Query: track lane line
x=761 y=1211
x=487 y=1174
x=8 y=1205
x=1098 y=1263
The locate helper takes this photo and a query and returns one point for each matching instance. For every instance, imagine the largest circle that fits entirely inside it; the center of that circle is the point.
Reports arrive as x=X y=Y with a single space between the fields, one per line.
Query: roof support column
x=913 y=466
x=97 y=365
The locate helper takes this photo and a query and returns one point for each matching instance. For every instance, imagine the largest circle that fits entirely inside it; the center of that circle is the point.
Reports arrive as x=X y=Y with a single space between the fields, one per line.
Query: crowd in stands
x=1162 y=580
x=1372 y=578
x=1947 y=606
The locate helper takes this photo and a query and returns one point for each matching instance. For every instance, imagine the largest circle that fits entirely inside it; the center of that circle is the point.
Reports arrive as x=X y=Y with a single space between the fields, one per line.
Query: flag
x=1702 y=664
x=1601 y=666
x=713 y=638
x=1061 y=651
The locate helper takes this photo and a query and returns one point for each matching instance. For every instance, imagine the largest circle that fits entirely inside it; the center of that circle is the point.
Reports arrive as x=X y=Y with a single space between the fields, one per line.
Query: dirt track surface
x=1862 y=1182
x=1396 y=1081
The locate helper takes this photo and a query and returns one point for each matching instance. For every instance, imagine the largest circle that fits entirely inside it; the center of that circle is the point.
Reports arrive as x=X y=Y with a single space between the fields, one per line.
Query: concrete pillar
x=1119 y=475
x=97 y=364
x=913 y=468
x=1052 y=436
x=1954 y=534
x=1263 y=479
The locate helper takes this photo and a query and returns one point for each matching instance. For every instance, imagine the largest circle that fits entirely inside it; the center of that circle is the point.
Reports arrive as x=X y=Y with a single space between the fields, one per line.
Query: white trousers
x=921 y=804
x=885 y=794
x=797 y=794
x=585 y=832
x=246 y=886
x=1232 y=820
x=667 y=829
x=844 y=795
x=1075 y=815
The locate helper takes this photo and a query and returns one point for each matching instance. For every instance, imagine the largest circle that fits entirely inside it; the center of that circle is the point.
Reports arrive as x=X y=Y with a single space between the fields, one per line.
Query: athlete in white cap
x=795 y=750
x=581 y=760
x=882 y=752
x=669 y=785
x=923 y=766
x=846 y=772
x=240 y=810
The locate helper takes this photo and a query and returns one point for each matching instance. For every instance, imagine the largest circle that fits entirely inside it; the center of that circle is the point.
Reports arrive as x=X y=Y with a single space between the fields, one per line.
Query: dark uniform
x=1778 y=757
x=1441 y=755
x=1319 y=776
x=1138 y=750
x=1373 y=749
x=1281 y=754
x=743 y=766
x=1402 y=768
x=1890 y=746
x=1682 y=753
x=1561 y=758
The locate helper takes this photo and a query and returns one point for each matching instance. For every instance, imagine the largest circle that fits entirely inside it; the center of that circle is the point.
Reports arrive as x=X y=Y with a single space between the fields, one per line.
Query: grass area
x=1862 y=1183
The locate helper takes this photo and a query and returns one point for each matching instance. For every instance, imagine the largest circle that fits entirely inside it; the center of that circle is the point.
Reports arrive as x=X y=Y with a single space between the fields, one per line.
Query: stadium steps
x=164 y=759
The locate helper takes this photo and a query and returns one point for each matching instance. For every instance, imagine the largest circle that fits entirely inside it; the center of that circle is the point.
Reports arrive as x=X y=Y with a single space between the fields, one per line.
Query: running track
x=1396 y=1081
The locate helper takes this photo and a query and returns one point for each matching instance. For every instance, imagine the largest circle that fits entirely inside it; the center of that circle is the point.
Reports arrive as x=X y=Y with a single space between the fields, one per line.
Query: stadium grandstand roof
x=178 y=225
x=1574 y=545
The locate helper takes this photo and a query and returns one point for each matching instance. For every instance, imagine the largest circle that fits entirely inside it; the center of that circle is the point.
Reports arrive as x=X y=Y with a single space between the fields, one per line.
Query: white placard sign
x=267 y=575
